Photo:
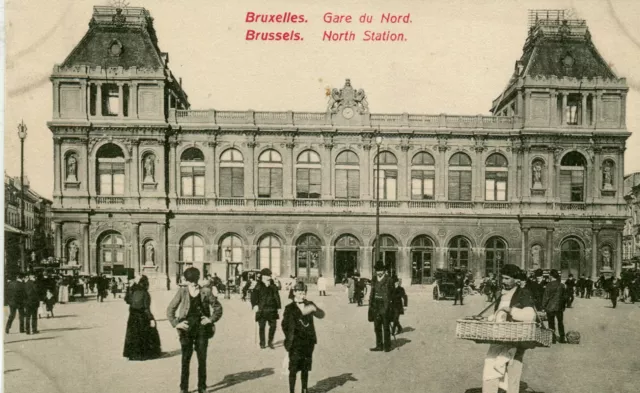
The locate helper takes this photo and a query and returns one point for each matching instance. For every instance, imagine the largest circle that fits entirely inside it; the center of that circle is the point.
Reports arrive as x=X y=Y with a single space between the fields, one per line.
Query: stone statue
x=606 y=176
x=150 y=255
x=73 y=253
x=72 y=168
x=606 y=257
x=537 y=174
x=536 y=252
x=149 y=169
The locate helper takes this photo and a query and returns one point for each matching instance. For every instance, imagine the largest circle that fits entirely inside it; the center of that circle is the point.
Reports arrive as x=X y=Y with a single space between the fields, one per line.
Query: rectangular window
x=348 y=183
x=111 y=178
x=110 y=100
x=387 y=184
x=192 y=180
x=572 y=185
x=93 y=91
x=231 y=182
x=270 y=182
x=308 y=183
x=496 y=186
x=422 y=184
x=459 y=185
x=125 y=101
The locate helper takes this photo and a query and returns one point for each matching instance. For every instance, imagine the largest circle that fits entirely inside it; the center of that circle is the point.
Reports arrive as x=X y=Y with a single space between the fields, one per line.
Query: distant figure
x=32 y=301
x=16 y=297
x=49 y=301
x=265 y=301
x=142 y=340
x=399 y=301
x=459 y=285
x=351 y=288
x=322 y=286
x=570 y=284
x=614 y=291
x=553 y=302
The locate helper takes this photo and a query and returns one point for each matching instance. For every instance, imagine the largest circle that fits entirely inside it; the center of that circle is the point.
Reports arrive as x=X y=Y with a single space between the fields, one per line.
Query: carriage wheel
x=436 y=293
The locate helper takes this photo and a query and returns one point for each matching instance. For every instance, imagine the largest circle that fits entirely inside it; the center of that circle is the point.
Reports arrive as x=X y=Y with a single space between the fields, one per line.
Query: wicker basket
x=523 y=334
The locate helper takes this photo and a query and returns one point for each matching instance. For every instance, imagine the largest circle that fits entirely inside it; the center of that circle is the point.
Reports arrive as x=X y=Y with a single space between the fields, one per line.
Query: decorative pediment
x=348 y=97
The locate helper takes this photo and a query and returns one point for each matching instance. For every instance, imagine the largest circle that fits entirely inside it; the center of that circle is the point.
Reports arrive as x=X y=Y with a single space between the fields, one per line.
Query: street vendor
x=503 y=362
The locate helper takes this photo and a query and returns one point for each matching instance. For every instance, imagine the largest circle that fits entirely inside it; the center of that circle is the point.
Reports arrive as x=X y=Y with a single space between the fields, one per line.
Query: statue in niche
x=537 y=174
x=149 y=169
x=607 y=180
x=73 y=253
x=149 y=259
x=536 y=256
x=72 y=168
x=606 y=257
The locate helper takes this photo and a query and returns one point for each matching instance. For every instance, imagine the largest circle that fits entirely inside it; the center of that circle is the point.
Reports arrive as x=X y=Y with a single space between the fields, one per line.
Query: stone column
x=527 y=104
x=56 y=99
x=553 y=109
x=365 y=267
x=594 y=252
x=58 y=240
x=366 y=174
x=618 y=253
x=57 y=164
x=478 y=191
x=88 y=99
x=250 y=172
x=597 y=108
x=623 y=110
x=327 y=269
x=85 y=94
x=403 y=175
x=584 y=110
x=442 y=167
x=99 y=99
x=549 y=249
x=136 y=163
x=289 y=173
x=136 y=261
x=327 y=173
x=86 y=256
x=121 y=100
x=403 y=265
x=172 y=170
x=525 y=246
x=211 y=174
x=133 y=99
x=563 y=115
x=441 y=263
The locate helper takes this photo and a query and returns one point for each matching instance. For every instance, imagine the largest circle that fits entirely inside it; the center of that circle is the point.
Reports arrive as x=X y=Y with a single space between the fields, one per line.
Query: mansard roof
x=130 y=28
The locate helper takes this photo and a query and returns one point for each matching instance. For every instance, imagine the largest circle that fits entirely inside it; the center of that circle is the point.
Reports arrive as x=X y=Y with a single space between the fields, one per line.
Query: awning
x=10 y=229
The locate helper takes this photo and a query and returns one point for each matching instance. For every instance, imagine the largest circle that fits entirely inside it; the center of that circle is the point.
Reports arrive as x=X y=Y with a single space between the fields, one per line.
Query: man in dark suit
x=588 y=288
x=553 y=302
x=265 y=300
x=15 y=300
x=570 y=284
x=459 y=283
x=380 y=308
x=32 y=302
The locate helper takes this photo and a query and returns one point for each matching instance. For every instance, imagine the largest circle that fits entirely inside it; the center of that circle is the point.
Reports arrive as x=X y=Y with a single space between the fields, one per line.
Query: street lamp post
x=377 y=183
x=227 y=255
x=22 y=134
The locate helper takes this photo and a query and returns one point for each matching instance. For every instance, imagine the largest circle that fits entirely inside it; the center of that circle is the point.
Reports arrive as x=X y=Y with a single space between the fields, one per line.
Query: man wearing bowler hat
x=380 y=307
x=265 y=300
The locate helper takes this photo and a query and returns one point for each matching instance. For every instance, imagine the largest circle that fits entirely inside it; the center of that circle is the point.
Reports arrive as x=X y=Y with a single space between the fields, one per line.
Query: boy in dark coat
x=265 y=300
x=399 y=300
x=300 y=335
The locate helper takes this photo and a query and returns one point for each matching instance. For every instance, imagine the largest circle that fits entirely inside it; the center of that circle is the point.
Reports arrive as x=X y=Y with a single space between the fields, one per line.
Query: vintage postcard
x=321 y=196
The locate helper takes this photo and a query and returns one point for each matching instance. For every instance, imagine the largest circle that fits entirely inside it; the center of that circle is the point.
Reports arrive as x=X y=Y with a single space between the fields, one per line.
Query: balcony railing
x=109 y=200
x=230 y=202
x=496 y=205
x=573 y=206
x=422 y=204
x=195 y=201
x=270 y=202
x=459 y=205
x=307 y=203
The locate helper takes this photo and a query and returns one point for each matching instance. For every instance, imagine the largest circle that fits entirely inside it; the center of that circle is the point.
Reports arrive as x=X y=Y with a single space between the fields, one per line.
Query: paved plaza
x=81 y=351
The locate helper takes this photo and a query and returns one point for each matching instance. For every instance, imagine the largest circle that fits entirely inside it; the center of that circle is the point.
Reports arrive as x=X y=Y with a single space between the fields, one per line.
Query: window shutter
x=341 y=183
x=237 y=182
x=225 y=182
x=302 y=183
x=315 y=180
x=454 y=186
x=565 y=186
x=353 y=184
x=465 y=186
x=276 y=183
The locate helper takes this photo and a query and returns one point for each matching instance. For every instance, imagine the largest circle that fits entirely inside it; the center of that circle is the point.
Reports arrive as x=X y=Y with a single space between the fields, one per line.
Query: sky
x=457 y=57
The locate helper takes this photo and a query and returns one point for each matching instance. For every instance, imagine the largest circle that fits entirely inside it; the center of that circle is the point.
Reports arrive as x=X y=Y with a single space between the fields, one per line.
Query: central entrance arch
x=571 y=254
x=346 y=257
x=388 y=254
x=308 y=257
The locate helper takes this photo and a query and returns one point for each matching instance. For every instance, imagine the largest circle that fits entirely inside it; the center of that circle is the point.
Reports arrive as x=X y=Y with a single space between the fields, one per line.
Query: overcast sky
x=457 y=58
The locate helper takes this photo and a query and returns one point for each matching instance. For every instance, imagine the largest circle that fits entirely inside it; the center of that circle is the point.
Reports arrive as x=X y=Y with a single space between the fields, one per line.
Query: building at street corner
x=144 y=182
x=631 y=233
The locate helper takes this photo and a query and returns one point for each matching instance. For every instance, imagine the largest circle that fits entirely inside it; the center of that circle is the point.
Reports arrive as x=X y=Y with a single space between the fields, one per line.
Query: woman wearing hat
x=503 y=363
x=265 y=300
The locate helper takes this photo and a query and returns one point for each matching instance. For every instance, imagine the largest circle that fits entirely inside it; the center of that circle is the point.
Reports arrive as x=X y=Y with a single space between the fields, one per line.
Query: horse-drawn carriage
x=444 y=286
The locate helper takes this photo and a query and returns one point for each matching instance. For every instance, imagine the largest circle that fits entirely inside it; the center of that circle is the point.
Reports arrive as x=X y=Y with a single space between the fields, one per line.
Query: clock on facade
x=347 y=113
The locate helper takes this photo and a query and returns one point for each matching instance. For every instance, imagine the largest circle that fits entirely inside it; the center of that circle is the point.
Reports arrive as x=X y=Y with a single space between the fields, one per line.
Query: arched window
x=572 y=177
x=192 y=248
x=422 y=176
x=387 y=179
x=495 y=178
x=388 y=253
x=347 y=175
x=269 y=254
x=308 y=257
x=233 y=243
x=111 y=251
x=270 y=174
x=421 y=258
x=231 y=174
x=495 y=255
x=308 y=175
x=460 y=179
x=459 y=253
x=192 y=170
x=110 y=170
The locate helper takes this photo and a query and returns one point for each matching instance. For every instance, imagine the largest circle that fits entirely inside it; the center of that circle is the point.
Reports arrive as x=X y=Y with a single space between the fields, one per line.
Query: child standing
x=300 y=335
x=50 y=300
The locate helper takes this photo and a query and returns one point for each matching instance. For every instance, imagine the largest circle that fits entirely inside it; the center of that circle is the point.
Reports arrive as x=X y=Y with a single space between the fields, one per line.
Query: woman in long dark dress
x=142 y=340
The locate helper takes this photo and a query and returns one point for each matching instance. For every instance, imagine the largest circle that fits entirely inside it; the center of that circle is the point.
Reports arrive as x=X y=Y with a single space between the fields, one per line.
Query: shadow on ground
x=170 y=354
x=524 y=388
x=29 y=339
x=64 y=329
x=400 y=342
x=407 y=329
x=331 y=383
x=234 y=379
x=12 y=370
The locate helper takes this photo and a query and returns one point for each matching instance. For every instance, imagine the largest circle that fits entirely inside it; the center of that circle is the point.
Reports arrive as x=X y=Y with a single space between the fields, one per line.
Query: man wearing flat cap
x=265 y=300
x=380 y=307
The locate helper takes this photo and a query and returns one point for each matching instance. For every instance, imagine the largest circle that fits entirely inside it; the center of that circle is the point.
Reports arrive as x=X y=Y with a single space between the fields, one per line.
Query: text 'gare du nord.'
x=138 y=173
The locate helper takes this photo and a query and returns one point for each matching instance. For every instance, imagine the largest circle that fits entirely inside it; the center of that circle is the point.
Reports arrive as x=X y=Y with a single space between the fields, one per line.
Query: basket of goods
x=572 y=337
x=497 y=330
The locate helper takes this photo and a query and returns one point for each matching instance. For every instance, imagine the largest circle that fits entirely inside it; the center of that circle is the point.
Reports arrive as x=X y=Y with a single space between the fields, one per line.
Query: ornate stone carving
x=288 y=230
x=250 y=229
x=442 y=144
x=348 y=97
x=72 y=168
x=366 y=231
x=149 y=168
x=328 y=230
x=479 y=144
x=211 y=230
x=442 y=232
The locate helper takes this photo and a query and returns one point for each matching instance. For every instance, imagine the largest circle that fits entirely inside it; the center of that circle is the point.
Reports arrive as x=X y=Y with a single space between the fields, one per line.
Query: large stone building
x=142 y=181
x=631 y=233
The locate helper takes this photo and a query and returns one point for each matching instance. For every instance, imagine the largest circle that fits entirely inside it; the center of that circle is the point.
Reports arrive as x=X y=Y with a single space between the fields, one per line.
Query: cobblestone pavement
x=81 y=350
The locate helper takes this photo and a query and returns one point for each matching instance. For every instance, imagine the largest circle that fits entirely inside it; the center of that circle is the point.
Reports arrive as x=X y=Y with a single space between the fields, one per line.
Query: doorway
x=346 y=264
